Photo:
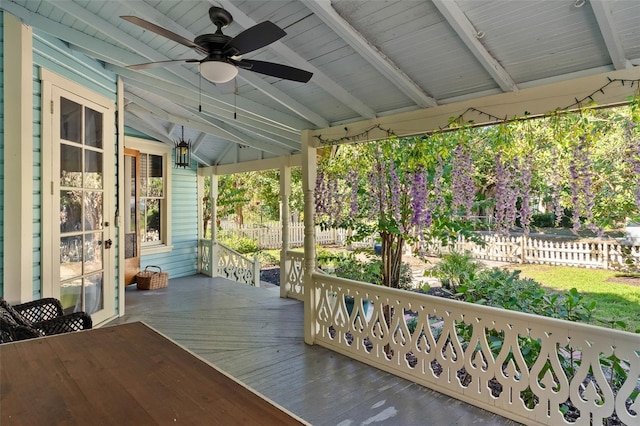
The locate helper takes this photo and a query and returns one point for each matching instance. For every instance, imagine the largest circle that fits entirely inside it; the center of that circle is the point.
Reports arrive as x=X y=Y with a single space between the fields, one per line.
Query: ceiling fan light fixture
x=218 y=71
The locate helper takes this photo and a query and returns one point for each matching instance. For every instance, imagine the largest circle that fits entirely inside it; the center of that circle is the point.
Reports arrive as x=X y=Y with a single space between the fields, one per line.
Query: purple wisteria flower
x=438 y=202
x=575 y=193
x=462 y=185
x=418 y=194
x=320 y=193
x=353 y=183
x=556 y=188
x=525 y=194
x=396 y=194
x=506 y=197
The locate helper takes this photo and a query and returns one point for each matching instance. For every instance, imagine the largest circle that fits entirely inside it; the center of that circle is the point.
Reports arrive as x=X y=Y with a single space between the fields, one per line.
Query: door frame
x=51 y=84
x=127 y=263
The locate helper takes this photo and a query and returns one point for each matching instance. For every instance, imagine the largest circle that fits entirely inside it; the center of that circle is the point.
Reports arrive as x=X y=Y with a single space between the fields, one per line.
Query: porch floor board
x=258 y=338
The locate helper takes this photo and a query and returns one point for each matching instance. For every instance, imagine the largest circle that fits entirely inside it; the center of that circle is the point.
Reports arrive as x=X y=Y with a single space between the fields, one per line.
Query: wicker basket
x=151 y=280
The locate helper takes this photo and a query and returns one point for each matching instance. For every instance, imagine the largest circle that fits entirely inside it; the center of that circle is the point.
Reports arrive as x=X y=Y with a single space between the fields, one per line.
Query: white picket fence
x=601 y=254
x=269 y=235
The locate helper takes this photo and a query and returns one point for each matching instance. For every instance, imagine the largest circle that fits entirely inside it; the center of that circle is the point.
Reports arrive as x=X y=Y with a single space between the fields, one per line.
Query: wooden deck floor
x=257 y=337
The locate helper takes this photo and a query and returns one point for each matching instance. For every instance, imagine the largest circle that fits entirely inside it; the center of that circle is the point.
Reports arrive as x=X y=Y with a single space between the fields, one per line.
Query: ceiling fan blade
x=160 y=63
x=164 y=32
x=275 y=70
x=254 y=38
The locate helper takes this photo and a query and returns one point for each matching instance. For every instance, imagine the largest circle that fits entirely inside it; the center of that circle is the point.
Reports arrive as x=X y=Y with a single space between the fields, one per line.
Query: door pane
x=70 y=211
x=131 y=224
x=92 y=210
x=93 y=293
x=70 y=257
x=71 y=295
x=93 y=169
x=93 y=128
x=70 y=166
x=70 y=120
x=93 y=246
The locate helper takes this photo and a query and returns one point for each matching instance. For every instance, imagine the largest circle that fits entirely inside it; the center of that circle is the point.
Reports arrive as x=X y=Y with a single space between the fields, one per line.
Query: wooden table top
x=122 y=375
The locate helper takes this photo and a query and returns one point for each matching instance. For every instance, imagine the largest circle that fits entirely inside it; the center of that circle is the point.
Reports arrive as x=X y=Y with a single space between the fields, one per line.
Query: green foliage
x=256 y=195
x=237 y=242
x=350 y=265
x=614 y=301
x=265 y=257
x=503 y=288
x=548 y=220
x=231 y=194
x=456 y=270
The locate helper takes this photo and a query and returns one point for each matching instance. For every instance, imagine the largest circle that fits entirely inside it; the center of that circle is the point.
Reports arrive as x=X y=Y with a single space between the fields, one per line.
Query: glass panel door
x=81 y=214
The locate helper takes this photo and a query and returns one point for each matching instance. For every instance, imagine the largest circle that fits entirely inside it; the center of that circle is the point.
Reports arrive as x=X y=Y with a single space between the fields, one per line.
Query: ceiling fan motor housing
x=213 y=43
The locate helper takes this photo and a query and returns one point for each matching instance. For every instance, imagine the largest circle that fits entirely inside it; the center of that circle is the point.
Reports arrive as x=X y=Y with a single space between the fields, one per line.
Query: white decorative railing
x=234 y=266
x=205 y=264
x=228 y=263
x=528 y=368
x=293 y=275
x=604 y=254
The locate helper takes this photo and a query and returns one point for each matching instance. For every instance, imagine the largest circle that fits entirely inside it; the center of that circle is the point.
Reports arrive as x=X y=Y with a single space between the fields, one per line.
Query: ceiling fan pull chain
x=200 y=94
x=235 y=107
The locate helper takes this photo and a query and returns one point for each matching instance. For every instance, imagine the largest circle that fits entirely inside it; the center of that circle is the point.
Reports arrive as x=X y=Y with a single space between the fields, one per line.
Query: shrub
x=348 y=265
x=543 y=220
x=456 y=269
x=267 y=258
x=237 y=242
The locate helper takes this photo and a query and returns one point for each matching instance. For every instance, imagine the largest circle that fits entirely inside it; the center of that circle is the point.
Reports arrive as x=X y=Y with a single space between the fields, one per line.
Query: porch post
x=213 y=204
x=309 y=168
x=285 y=193
x=200 y=176
x=18 y=162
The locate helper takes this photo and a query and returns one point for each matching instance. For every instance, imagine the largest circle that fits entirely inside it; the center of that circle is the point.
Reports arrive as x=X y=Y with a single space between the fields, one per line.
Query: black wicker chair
x=39 y=318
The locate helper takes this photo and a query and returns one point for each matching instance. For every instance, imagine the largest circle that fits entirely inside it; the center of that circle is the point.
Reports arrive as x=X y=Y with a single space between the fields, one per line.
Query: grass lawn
x=615 y=301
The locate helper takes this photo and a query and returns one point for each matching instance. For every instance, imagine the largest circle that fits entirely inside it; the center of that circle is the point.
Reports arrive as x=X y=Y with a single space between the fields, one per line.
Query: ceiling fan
x=223 y=52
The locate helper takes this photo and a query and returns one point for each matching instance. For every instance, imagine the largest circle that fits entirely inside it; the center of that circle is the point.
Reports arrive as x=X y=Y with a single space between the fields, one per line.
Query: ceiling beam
x=602 y=11
x=148 y=119
x=149 y=13
x=189 y=96
x=323 y=10
x=266 y=139
x=198 y=142
x=224 y=153
x=536 y=101
x=138 y=104
x=219 y=129
x=469 y=36
x=141 y=125
x=319 y=78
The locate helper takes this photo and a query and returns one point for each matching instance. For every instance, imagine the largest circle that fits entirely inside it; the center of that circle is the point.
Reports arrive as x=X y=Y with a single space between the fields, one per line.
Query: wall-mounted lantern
x=183 y=152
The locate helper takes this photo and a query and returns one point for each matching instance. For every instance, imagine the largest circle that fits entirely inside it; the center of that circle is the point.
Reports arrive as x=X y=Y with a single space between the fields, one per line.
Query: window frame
x=157 y=148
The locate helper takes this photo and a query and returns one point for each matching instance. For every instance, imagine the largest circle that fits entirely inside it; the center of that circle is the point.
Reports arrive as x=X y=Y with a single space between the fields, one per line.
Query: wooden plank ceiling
x=371 y=60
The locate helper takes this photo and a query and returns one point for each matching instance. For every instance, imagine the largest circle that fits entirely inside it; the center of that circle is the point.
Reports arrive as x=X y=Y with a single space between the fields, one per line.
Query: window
x=152 y=184
x=154 y=195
